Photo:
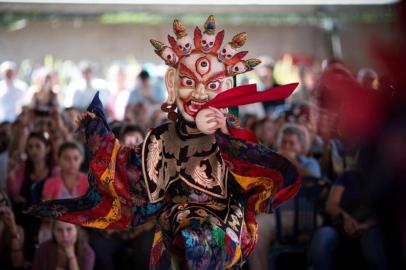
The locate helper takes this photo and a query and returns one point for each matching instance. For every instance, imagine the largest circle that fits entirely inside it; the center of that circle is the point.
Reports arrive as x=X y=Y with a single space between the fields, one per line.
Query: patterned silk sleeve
x=116 y=198
x=265 y=177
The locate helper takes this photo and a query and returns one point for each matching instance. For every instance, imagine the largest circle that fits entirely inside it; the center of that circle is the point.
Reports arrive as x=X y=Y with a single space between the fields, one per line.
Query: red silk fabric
x=248 y=94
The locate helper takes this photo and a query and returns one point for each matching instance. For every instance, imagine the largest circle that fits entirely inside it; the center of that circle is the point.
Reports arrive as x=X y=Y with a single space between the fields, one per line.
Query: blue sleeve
x=311 y=165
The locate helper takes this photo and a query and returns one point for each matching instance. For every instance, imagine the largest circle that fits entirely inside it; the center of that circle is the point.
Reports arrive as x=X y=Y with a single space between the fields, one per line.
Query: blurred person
x=69 y=115
x=266 y=81
x=18 y=136
x=31 y=120
x=355 y=229
x=145 y=92
x=132 y=135
x=307 y=84
x=339 y=151
x=12 y=92
x=266 y=131
x=158 y=117
x=68 y=249
x=291 y=143
x=248 y=121
x=25 y=183
x=5 y=133
x=338 y=148
x=138 y=114
x=25 y=179
x=256 y=109
x=332 y=70
x=120 y=92
x=83 y=90
x=368 y=78
x=11 y=237
x=45 y=93
x=306 y=115
x=69 y=182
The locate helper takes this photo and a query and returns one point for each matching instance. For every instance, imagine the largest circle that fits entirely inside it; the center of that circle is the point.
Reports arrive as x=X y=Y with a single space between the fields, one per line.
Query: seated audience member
x=26 y=179
x=248 y=122
x=138 y=114
x=5 y=131
x=291 y=144
x=69 y=182
x=355 y=229
x=266 y=131
x=25 y=183
x=11 y=237
x=66 y=250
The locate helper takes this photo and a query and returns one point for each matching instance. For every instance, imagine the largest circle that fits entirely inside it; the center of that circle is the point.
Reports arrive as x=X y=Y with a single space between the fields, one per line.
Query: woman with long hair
x=25 y=182
x=25 y=179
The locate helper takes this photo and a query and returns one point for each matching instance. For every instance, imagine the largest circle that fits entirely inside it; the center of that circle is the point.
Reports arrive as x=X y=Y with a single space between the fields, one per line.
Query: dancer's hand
x=83 y=116
x=219 y=117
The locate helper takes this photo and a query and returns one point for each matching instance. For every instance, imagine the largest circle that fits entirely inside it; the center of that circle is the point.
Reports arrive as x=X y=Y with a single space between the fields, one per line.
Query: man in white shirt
x=12 y=92
x=82 y=91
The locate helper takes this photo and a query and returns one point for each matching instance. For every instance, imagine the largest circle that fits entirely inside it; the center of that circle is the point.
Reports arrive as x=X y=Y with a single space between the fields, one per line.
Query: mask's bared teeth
x=193 y=108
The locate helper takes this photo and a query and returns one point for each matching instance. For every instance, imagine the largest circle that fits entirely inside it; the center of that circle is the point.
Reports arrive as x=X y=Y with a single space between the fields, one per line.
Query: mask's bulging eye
x=188 y=82
x=214 y=85
x=202 y=66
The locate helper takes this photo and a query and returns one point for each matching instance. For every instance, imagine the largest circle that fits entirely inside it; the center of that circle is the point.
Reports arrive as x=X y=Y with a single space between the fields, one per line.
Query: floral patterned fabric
x=196 y=229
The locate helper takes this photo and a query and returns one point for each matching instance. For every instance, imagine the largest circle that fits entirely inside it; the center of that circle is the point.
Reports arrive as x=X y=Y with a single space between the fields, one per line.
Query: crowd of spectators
x=42 y=158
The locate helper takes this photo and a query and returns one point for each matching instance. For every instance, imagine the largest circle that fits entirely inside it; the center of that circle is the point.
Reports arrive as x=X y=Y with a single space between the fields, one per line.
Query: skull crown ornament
x=209 y=42
x=201 y=68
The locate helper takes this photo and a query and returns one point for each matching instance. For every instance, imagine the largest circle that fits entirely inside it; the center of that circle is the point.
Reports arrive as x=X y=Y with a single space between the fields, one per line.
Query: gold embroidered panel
x=169 y=155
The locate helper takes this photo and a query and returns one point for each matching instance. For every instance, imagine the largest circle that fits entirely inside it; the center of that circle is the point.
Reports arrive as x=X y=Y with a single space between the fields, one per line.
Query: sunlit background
x=107 y=31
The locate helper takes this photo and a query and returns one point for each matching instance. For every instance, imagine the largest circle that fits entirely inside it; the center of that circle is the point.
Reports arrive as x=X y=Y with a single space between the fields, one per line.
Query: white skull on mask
x=226 y=53
x=185 y=44
x=169 y=56
x=207 y=42
x=238 y=68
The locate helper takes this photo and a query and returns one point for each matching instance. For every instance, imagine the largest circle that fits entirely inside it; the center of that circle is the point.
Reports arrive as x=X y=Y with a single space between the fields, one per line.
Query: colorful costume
x=203 y=190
